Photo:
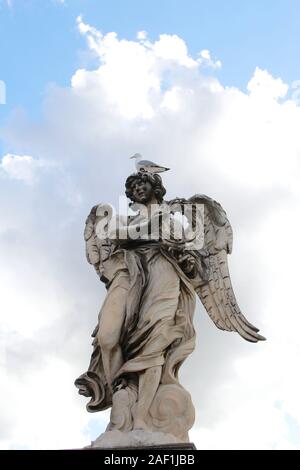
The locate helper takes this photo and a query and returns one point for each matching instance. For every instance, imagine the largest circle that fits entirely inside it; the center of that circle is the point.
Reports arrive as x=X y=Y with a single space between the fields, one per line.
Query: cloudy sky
x=210 y=89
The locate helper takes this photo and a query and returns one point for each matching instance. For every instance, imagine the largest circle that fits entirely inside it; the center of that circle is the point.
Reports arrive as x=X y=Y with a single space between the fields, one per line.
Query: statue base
x=138 y=439
x=184 y=446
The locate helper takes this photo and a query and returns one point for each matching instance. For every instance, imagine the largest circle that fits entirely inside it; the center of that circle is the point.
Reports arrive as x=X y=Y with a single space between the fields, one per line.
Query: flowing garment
x=158 y=325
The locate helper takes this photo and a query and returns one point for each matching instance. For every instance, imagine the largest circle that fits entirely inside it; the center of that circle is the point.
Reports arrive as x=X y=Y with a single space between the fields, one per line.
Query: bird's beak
x=133 y=156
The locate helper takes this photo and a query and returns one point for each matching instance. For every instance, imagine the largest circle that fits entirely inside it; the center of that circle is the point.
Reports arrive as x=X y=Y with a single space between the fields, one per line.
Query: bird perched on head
x=146 y=165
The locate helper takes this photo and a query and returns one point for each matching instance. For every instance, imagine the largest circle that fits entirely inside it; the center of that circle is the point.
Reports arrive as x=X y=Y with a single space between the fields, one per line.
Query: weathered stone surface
x=136 y=438
x=145 y=326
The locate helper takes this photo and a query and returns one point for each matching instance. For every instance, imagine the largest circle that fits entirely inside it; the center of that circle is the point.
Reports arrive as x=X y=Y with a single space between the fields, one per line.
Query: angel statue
x=145 y=325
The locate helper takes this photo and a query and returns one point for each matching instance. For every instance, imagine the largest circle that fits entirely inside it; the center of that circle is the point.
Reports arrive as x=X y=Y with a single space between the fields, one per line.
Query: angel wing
x=97 y=248
x=217 y=294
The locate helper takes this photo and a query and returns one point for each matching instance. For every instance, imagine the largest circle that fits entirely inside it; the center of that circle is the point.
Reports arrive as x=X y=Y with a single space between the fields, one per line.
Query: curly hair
x=155 y=181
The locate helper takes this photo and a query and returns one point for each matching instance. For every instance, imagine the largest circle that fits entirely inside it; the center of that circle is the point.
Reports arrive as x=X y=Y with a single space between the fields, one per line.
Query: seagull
x=146 y=165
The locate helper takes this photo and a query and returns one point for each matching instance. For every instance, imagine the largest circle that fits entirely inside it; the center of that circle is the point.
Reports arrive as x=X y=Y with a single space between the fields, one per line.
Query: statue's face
x=142 y=191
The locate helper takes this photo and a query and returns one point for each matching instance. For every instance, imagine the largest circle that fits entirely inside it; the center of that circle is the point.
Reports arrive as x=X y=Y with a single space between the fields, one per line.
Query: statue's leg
x=111 y=319
x=158 y=309
x=148 y=385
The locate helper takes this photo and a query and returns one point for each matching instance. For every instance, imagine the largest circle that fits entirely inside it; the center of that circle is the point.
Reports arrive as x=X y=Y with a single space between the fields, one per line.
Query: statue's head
x=142 y=187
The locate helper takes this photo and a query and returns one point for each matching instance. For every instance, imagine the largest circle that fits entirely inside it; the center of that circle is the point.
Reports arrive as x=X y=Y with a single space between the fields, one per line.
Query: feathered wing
x=217 y=294
x=97 y=249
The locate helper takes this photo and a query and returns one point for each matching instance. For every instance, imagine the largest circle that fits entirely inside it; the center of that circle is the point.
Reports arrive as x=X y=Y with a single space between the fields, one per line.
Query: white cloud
x=129 y=77
x=206 y=61
x=19 y=167
x=84 y=29
x=142 y=35
x=263 y=86
x=173 y=48
x=240 y=148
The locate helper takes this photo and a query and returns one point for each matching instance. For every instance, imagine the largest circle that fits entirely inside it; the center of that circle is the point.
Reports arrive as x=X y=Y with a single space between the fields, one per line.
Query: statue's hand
x=178 y=200
x=177 y=203
x=187 y=262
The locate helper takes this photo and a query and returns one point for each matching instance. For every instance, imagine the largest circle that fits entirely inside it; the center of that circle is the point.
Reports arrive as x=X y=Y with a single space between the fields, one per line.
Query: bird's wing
x=148 y=163
x=217 y=294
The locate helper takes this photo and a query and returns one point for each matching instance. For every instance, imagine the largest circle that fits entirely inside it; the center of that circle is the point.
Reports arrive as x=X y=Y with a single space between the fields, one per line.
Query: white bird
x=146 y=165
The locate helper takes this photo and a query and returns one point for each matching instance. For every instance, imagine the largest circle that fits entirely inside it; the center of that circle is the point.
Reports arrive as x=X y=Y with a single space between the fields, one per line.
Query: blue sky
x=231 y=132
x=40 y=44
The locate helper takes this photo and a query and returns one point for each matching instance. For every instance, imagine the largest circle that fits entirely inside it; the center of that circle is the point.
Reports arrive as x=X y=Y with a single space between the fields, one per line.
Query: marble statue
x=145 y=326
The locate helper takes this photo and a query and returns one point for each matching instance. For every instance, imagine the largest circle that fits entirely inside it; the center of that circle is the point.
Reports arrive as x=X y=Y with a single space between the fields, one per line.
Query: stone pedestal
x=139 y=440
x=169 y=448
